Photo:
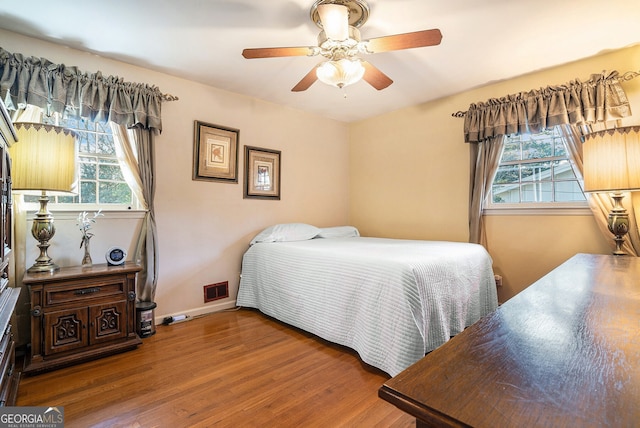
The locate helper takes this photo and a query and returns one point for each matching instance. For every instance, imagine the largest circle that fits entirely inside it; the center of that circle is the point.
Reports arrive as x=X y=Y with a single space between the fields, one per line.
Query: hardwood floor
x=228 y=369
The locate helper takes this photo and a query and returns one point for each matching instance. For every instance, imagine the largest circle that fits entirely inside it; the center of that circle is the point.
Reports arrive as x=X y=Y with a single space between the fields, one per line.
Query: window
x=100 y=179
x=535 y=172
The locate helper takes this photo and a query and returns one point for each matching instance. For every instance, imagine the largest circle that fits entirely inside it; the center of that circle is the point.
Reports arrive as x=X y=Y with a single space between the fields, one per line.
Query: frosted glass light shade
x=44 y=158
x=340 y=73
x=612 y=160
x=335 y=21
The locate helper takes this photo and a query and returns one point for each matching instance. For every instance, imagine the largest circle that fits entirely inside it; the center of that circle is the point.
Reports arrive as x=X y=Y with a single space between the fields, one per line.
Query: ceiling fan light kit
x=340 y=73
x=340 y=43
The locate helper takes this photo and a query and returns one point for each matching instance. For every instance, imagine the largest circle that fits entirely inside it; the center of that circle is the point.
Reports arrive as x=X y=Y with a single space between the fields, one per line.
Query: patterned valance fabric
x=63 y=89
x=599 y=99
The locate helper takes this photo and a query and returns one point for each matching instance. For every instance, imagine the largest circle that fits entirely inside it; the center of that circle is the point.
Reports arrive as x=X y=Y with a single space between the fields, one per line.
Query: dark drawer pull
x=87 y=291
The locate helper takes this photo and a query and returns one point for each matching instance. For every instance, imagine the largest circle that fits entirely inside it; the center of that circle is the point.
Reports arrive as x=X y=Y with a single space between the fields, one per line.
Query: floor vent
x=216 y=291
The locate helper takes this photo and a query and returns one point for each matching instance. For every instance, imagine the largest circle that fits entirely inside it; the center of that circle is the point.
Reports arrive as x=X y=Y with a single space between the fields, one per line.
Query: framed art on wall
x=262 y=173
x=215 y=153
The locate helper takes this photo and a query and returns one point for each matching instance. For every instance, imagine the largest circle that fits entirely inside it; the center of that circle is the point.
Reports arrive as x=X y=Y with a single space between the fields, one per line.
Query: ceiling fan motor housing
x=339 y=48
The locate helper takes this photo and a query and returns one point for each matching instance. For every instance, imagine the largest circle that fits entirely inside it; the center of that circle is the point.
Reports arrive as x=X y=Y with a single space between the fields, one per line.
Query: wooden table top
x=564 y=352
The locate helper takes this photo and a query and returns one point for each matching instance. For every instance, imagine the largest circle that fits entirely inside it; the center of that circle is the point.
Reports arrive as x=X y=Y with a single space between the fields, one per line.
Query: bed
x=390 y=300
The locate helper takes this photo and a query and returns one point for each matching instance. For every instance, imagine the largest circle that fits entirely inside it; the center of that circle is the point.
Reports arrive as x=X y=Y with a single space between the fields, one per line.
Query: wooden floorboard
x=228 y=369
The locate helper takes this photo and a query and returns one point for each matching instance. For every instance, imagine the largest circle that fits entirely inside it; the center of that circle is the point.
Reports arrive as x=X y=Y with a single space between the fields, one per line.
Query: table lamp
x=612 y=165
x=43 y=160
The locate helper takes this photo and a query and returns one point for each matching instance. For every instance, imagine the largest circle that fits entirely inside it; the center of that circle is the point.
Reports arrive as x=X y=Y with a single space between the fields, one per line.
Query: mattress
x=390 y=300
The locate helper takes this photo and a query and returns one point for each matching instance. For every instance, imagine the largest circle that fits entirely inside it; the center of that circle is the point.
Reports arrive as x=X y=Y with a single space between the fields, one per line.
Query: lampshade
x=44 y=158
x=340 y=73
x=335 y=20
x=612 y=160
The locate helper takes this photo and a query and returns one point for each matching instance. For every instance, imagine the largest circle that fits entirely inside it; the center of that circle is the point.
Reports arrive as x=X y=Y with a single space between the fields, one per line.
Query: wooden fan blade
x=252 y=53
x=397 y=42
x=375 y=77
x=306 y=81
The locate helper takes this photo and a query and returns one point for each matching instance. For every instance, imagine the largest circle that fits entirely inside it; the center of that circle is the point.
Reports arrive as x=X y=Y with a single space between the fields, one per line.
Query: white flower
x=84 y=222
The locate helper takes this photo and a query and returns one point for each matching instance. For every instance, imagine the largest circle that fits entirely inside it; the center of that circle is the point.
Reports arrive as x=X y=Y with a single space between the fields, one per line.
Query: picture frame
x=262 y=173
x=215 y=153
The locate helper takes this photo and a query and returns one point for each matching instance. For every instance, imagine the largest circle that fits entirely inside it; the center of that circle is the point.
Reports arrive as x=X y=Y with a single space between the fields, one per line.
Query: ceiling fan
x=340 y=43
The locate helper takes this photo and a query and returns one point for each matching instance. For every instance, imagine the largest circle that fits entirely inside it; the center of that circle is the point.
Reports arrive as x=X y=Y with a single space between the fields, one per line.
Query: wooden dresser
x=9 y=376
x=81 y=313
x=564 y=352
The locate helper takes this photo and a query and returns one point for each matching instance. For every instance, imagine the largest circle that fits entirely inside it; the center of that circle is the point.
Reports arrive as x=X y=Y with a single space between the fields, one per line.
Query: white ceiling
x=202 y=40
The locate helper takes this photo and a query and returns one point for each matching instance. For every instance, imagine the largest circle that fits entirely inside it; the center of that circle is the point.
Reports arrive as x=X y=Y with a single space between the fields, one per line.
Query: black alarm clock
x=116 y=256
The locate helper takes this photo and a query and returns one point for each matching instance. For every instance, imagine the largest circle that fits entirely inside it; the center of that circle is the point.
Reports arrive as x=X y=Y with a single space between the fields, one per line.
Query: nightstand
x=80 y=314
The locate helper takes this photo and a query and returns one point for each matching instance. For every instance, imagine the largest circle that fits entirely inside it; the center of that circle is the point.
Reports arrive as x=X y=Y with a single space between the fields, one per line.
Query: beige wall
x=409 y=178
x=205 y=227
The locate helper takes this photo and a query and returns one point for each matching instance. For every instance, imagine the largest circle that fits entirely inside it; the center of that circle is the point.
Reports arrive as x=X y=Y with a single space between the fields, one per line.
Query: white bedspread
x=390 y=300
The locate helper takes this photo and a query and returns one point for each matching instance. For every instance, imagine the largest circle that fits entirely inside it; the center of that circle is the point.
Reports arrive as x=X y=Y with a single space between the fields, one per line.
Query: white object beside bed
x=390 y=300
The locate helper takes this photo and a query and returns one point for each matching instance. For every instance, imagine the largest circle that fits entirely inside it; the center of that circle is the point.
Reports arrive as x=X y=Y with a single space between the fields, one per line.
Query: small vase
x=86 y=260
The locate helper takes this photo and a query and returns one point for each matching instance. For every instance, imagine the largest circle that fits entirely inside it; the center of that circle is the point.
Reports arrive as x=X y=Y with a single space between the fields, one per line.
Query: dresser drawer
x=80 y=291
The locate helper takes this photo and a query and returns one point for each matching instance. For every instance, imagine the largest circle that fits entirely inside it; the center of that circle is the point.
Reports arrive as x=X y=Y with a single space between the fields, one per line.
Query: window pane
x=91 y=144
x=568 y=191
x=88 y=192
x=103 y=127
x=507 y=174
x=537 y=192
x=114 y=193
x=506 y=194
x=562 y=170
x=536 y=149
x=105 y=145
x=88 y=168
x=70 y=122
x=83 y=143
x=536 y=171
x=560 y=149
x=85 y=125
x=511 y=151
x=67 y=199
x=110 y=171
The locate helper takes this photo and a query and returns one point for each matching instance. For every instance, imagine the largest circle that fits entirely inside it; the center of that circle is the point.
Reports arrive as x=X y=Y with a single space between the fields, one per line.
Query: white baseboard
x=203 y=310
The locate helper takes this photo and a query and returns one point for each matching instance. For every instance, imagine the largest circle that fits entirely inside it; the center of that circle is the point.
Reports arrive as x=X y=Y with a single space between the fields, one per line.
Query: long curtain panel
x=134 y=153
x=485 y=159
x=148 y=238
x=599 y=99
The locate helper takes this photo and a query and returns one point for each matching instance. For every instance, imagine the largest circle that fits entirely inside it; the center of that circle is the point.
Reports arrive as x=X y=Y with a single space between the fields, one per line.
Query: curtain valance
x=599 y=99
x=64 y=89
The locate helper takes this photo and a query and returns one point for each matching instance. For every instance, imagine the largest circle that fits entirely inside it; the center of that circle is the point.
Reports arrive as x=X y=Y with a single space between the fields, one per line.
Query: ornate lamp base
x=618 y=223
x=43 y=230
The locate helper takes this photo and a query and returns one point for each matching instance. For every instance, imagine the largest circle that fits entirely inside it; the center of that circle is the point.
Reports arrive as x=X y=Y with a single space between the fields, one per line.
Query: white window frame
x=538 y=208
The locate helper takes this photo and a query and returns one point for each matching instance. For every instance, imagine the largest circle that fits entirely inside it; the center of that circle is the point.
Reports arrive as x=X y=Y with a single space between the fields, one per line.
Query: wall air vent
x=216 y=291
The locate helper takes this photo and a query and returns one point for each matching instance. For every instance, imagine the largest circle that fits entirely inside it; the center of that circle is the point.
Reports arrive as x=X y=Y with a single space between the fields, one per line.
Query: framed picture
x=262 y=173
x=215 y=153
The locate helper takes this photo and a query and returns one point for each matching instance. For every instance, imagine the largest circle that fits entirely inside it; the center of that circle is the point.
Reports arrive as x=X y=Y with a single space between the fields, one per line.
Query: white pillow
x=338 y=232
x=286 y=232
